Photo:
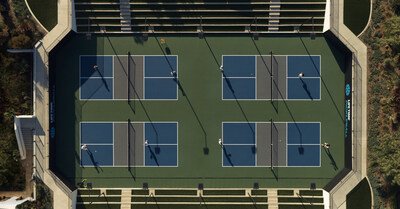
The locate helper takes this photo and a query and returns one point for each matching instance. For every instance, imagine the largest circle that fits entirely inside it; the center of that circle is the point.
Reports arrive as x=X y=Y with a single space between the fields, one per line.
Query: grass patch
x=198 y=206
x=140 y=192
x=360 y=196
x=113 y=192
x=88 y=192
x=176 y=192
x=259 y=192
x=197 y=199
x=300 y=200
x=224 y=192
x=98 y=206
x=285 y=192
x=99 y=199
x=301 y=207
x=311 y=192
x=45 y=11
x=356 y=14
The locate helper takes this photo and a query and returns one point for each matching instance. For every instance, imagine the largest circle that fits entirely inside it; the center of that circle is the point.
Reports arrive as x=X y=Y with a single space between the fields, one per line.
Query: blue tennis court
x=162 y=148
x=309 y=86
x=239 y=88
x=239 y=144
x=156 y=78
x=239 y=66
x=309 y=65
x=96 y=84
x=239 y=77
x=254 y=77
x=108 y=144
x=159 y=82
x=303 y=144
x=251 y=144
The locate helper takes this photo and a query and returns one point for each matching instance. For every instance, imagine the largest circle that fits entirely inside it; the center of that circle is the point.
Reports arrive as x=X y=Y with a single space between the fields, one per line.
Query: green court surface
x=199 y=112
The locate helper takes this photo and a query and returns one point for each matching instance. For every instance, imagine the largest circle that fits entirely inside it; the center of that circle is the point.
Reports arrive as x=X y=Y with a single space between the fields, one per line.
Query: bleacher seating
x=211 y=16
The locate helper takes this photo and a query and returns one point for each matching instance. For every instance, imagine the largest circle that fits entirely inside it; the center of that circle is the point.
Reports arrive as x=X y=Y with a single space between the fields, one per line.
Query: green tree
x=392 y=33
x=388 y=152
x=9 y=163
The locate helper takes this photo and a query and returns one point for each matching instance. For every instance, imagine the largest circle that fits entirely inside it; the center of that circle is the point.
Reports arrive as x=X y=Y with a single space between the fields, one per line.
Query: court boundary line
x=320 y=75
x=287 y=153
x=144 y=151
x=144 y=146
x=80 y=71
x=144 y=72
x=287 y=145
x=278 y=99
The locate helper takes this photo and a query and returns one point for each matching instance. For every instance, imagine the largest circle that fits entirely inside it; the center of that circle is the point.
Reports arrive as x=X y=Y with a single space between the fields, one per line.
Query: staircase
x=272 y=199
x=125 y=16
x=27 y=135
x=126 y=198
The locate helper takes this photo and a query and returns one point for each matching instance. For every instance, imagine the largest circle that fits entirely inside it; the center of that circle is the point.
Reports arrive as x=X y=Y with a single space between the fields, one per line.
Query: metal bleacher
x=192 y=16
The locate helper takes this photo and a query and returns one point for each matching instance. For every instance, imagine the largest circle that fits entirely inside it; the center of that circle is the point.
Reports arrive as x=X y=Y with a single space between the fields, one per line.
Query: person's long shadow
x=228 y=82
x=323 y=81
x=305 y=87
x=333 y=162
x=94 y=162
x=153 y=155
x=228 y=156
x=133 y=175
x=103 y=80
x=184 y=94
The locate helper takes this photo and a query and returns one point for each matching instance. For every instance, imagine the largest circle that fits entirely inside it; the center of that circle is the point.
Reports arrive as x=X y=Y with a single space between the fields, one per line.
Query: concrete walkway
x=359 y=106
x=63 y=197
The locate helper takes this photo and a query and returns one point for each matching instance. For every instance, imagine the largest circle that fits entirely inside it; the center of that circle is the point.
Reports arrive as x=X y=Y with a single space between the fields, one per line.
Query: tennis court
x=271 y=144
x=271 y=125
x=122 y=144
x=272 y=77
x=128 y=77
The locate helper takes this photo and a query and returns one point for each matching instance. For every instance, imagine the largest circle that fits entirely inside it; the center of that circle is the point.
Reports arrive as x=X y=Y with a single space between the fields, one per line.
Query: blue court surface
x=239 y=88
x=161 y=88
x=303 y=133
x=98 y=155
x=99 y=84
x=239 y=144
x=301 y=146
x=303 y=155
x=310 y=66
x=304 y=88
x=239 y=133
x=104 y=63
x=97 y=133
x=97 y=88
x=309 y=86
x=239 y=155
x=161 y=133
x=162 y=148
x=240 y=77
x=239 y=66
x=159 y=83
x=160 y=66
x=161 y=155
